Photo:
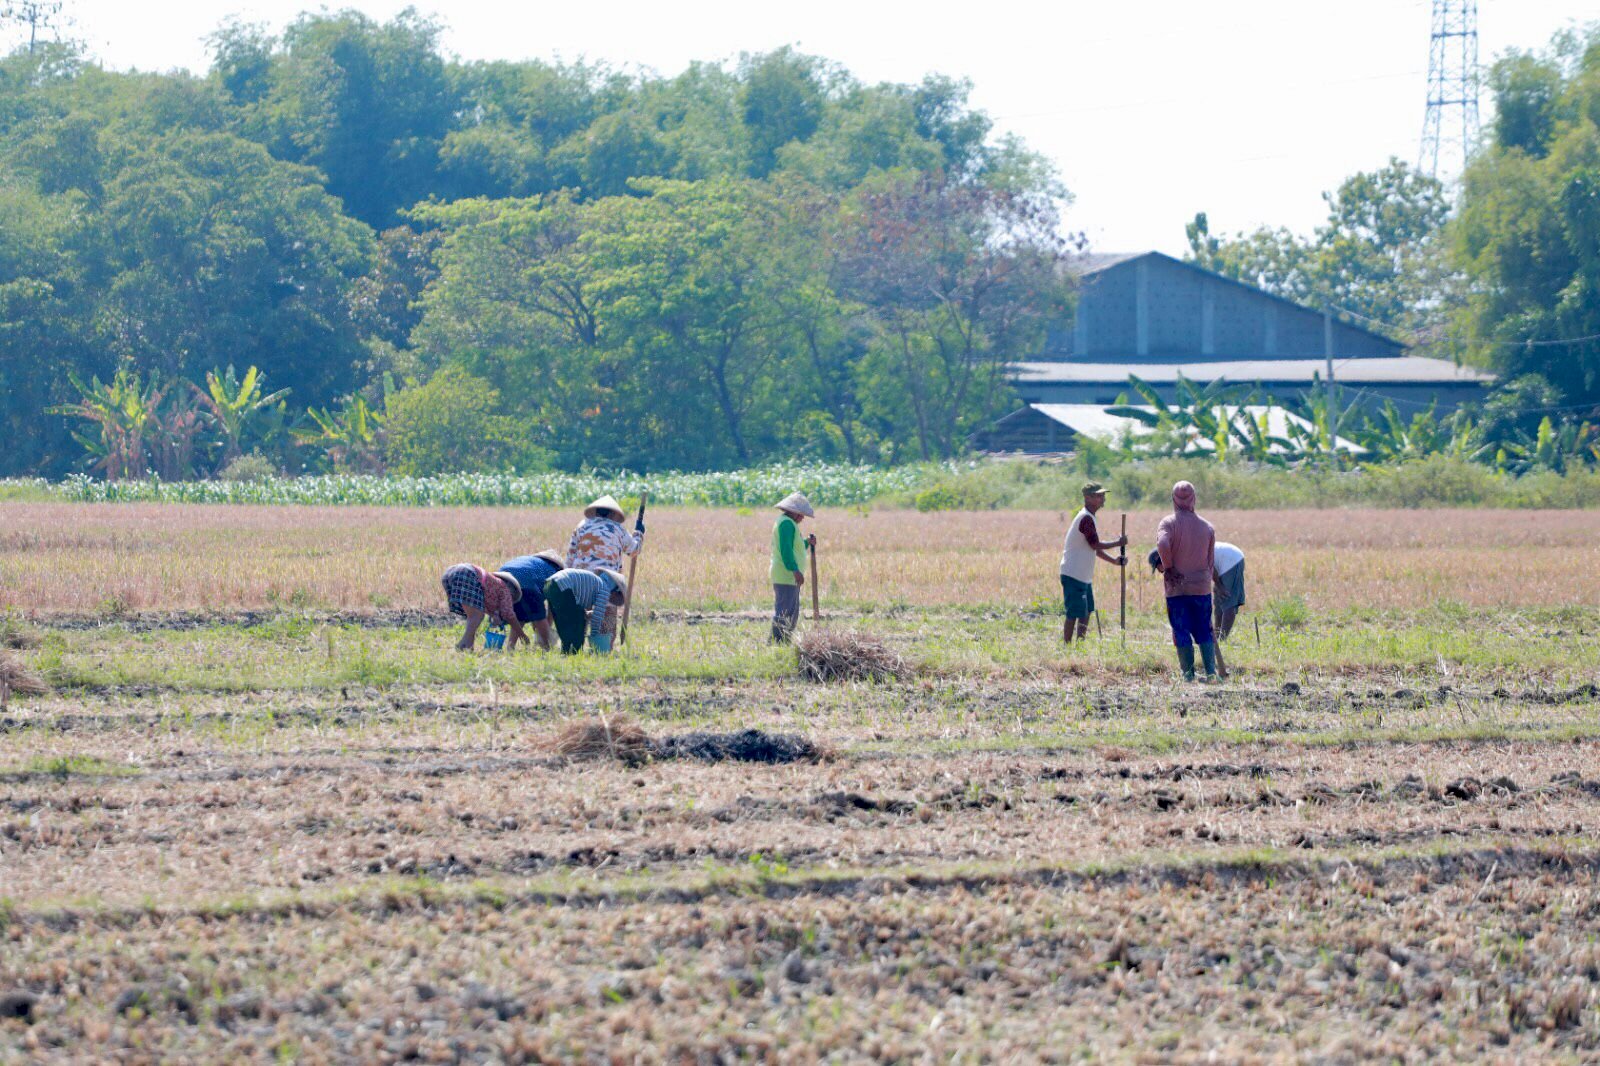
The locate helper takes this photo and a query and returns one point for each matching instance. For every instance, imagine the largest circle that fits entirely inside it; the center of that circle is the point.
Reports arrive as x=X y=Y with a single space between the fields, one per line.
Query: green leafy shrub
x=454 y=423
x=249 y=468
x=1290 y=612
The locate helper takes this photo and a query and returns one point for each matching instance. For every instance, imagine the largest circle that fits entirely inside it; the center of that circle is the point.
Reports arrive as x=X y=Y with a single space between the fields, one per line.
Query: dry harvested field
x=264 y=812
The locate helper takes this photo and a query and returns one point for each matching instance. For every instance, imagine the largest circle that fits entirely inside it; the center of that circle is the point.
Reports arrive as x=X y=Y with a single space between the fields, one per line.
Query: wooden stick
x=633 y=568
x=816 y=597
x=1123 y=557
x=1257 y=621
x=1098 y=632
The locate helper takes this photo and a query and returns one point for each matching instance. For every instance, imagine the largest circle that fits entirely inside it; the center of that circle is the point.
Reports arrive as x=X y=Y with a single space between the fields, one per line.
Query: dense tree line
x=435 y=265
x=454 y=264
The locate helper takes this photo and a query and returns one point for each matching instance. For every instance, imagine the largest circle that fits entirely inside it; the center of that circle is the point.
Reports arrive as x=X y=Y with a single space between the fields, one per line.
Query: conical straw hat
x=796 y=504
x=605 y=503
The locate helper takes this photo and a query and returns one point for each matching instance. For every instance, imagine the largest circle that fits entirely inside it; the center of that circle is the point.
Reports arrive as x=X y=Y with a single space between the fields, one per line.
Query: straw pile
x=603 y=738
x=17 y=679
x=847 y=655
x=621 y=739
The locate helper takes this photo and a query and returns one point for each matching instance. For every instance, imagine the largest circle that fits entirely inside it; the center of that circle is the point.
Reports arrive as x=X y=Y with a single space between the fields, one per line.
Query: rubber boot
x=1186 y=660
x=780 y=634
x=1208 y=653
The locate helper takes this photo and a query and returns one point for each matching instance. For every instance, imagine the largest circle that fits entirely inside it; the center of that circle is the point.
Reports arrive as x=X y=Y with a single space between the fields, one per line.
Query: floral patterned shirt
x=599 y=543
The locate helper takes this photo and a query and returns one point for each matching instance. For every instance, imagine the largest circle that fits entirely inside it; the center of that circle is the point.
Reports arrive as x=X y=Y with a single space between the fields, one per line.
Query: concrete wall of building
x=1153 y=307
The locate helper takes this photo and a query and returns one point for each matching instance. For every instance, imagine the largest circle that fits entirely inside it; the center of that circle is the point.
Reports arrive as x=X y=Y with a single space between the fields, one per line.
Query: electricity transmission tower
x=35 y=14
x=1450 y=129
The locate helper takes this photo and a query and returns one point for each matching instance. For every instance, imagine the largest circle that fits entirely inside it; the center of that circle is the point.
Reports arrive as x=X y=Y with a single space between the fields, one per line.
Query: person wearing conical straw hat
x=531 y=572
x=581 y=604
x=789 y=553
x=600 y=542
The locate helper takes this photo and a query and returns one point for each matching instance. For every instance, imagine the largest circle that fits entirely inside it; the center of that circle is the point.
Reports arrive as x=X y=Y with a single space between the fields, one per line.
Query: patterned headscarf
x=1183 y=496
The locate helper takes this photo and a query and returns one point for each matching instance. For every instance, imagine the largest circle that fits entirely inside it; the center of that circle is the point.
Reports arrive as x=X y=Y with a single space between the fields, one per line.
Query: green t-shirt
x=788 y=551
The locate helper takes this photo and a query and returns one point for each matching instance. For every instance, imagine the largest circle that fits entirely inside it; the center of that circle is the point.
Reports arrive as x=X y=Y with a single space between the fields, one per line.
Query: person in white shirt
x=1227 y=575
x=1083 y=546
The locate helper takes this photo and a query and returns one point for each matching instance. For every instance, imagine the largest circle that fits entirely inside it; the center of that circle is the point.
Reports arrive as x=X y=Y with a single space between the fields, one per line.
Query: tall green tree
x=368 y=104
x=220 y=254
x=1528 y=231
x=1379 y=256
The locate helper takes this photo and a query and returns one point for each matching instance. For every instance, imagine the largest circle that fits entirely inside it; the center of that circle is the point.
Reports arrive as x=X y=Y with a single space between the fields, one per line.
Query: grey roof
x=1094 y=262
x=1401 y=370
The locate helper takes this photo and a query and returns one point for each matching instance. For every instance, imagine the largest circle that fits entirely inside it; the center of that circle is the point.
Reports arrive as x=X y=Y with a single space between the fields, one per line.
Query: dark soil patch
x=749 y=745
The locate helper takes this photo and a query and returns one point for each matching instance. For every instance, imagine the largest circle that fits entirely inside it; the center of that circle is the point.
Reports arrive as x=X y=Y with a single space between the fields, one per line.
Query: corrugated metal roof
x=1401 y=370
x=1094 y=262
x=1093 y=420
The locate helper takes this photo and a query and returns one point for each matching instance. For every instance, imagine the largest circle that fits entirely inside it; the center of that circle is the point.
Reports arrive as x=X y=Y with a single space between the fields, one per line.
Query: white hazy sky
x=1246 y=109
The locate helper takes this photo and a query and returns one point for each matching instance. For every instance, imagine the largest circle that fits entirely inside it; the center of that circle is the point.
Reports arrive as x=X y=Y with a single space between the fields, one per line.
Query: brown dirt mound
x=17 y=678
x=848 y=655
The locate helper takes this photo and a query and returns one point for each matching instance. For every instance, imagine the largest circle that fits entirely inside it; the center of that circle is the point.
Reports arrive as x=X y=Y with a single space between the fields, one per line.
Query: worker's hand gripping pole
x=816 y=597
x=633 y=571
x=1122 y=557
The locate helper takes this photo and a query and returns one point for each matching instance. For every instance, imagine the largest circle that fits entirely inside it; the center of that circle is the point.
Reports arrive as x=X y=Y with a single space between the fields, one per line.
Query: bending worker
x=475 y=594
x=1228 y=595
x=531 y=572
x=580 y=602
x=1083 y=546
x=1186 y=545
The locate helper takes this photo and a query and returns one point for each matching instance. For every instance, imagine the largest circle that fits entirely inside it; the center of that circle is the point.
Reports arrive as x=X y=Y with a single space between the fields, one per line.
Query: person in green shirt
x=789 y=552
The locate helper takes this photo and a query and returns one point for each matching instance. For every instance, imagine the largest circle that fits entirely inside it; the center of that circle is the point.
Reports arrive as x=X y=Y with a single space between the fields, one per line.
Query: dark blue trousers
x=1190 y=618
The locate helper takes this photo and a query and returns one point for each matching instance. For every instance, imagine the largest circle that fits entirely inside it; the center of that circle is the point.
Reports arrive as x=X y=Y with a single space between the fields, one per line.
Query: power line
x=1425 y=339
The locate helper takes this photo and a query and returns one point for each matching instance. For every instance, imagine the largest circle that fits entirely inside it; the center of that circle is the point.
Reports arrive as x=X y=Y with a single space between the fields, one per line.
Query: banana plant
x=1198 y=414
x=123 y=413
x=1330 y=419
x=1569 y=446
x=242 y=409
x=352 y=437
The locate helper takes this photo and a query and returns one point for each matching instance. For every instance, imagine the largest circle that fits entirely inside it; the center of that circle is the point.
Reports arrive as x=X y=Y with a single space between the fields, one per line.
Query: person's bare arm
x=474 y=620
x=518 y=635
x=1092 y=535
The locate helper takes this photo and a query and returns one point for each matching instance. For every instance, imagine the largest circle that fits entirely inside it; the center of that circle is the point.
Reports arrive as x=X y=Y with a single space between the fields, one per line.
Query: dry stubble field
x=265 y=812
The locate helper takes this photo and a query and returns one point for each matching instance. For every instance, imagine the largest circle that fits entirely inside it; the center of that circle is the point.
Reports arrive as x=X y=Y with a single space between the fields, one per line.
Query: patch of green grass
x=65 y=766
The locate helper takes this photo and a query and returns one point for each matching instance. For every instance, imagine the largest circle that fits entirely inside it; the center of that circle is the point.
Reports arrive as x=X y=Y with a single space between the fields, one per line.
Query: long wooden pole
x=633 y=569
x=1123 y=557
x=816 y=597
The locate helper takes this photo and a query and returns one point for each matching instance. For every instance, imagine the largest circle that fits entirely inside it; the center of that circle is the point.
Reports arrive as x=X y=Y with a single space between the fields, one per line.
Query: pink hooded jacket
x=1187 y=544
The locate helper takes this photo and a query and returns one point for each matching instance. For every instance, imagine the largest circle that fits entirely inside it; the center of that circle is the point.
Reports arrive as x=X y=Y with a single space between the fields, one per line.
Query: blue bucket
x=494 y=639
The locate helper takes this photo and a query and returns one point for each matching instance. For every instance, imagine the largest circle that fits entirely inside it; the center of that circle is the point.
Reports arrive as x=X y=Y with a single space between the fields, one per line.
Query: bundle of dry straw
x=848 y=655
x=17 y=679
x=615 y=738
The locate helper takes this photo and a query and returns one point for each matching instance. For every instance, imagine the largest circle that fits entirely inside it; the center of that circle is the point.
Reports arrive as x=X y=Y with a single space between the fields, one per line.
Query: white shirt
x=1077 y=557
x=1227 y=557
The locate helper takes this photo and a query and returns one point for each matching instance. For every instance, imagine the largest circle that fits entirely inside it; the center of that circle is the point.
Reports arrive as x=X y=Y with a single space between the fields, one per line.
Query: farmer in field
x=475 y=594
x=1083 y=546
x=1186 y=547
x=531 y=572
x=600 y=542
x=585 y=602
x=1228 y=578
x=789 y=553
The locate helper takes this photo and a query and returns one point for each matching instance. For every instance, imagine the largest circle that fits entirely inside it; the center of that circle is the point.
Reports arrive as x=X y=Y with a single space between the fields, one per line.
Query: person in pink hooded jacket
x=1187 y=545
